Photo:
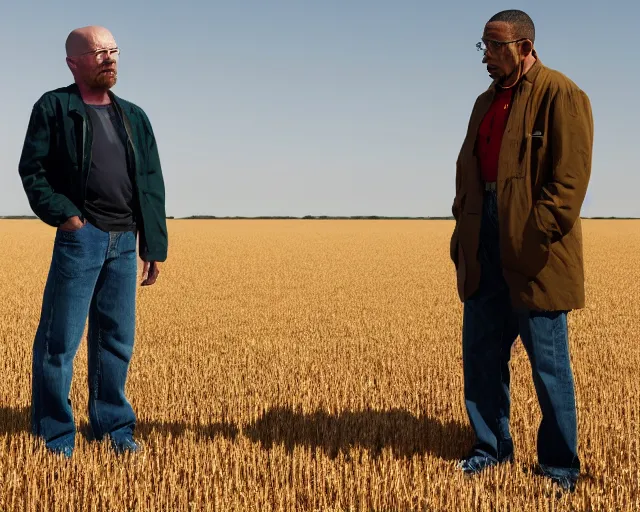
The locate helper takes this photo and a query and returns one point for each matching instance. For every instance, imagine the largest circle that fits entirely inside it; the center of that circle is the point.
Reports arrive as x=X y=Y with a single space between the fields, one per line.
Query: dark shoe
x=479 y=461
x=124 y=444
x=566 y=483
x=566 y=479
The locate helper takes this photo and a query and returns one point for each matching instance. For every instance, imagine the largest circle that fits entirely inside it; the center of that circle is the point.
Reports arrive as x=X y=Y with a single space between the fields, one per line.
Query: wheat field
x=316 y=365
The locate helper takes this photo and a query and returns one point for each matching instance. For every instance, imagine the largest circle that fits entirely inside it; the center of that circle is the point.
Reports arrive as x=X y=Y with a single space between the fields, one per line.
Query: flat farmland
x=316 y=365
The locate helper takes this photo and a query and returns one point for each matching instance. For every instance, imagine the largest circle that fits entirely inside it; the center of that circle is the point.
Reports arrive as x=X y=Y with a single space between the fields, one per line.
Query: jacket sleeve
x=35 y=168
x=456 y=207
x=155 y=197
x=571 y=138
x=455 y=210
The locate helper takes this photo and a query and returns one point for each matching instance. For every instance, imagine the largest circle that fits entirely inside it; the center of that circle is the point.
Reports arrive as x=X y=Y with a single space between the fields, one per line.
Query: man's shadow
x=177 y=428
x=146 y=428
x=406 y=434
x=14 y=420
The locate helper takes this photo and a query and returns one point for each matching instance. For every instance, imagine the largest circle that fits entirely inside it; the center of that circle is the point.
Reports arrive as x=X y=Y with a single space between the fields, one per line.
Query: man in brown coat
x=521 y=178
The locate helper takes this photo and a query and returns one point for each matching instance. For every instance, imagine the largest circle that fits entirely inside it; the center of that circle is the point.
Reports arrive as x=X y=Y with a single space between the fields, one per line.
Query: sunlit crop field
x=316 y=365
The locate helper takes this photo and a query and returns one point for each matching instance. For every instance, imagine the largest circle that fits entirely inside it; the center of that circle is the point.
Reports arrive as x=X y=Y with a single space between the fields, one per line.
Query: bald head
x=92 y=57
x=87 y=39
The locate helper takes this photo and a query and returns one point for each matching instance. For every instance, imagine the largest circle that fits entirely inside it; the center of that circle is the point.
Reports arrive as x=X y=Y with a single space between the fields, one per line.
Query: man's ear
x=72 y=65
x=526 y=48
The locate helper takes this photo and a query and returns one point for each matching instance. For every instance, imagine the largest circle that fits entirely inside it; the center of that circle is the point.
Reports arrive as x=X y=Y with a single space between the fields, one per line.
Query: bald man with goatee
x=90 y=169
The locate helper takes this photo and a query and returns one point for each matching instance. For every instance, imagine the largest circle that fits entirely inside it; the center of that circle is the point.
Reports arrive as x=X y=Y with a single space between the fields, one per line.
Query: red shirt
x=490 y=134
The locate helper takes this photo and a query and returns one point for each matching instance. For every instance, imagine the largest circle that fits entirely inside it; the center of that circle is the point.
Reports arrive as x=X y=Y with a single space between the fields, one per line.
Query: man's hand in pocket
x=72 y=224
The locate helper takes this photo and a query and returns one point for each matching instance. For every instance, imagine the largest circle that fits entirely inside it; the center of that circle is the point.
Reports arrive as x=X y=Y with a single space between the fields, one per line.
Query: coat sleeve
x=455 y=210
x=571 y=138
x=456 y=207
x=35 y=168
x=155 y=196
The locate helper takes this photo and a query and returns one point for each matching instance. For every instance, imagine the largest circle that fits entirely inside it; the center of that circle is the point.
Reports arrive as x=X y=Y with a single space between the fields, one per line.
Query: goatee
x=105 y=80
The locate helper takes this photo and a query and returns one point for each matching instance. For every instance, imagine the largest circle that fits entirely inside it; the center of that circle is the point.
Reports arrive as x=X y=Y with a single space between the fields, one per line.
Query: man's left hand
x=150 y=272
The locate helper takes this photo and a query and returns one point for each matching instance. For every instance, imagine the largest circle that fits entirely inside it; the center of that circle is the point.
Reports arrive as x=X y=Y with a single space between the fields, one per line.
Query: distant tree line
x=311 y=217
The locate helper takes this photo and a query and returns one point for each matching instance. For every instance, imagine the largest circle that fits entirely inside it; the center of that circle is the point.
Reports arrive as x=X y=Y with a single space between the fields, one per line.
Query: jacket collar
x=76 y=104
x=531 y=75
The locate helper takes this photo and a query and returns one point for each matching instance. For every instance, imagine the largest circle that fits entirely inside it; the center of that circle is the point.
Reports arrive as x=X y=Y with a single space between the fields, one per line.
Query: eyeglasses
x=490 y=44
x=103 y=53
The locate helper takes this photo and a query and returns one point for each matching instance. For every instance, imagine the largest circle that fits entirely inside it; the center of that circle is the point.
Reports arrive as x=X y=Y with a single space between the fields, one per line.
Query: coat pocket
x=527 y=254
x=535 y=249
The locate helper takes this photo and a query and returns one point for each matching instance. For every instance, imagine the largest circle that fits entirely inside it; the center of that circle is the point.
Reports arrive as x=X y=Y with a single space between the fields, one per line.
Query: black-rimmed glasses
x=491 y=44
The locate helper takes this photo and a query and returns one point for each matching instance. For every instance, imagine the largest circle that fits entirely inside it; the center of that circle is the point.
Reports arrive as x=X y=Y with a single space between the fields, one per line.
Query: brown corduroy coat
x=543 y=174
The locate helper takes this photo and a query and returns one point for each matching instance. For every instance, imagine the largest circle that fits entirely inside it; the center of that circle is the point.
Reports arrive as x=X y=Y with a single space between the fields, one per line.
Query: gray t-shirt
x=110 y=201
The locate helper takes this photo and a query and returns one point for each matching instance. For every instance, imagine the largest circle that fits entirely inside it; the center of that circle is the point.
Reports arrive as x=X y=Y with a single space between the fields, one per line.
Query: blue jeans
x=490 y=327
x=92 y=273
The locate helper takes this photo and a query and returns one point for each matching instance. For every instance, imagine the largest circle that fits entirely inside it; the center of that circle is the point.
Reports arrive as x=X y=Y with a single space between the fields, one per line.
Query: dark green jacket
x=56 y=159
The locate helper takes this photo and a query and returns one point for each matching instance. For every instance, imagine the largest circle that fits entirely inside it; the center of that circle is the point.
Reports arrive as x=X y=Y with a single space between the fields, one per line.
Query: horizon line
x=312 y=217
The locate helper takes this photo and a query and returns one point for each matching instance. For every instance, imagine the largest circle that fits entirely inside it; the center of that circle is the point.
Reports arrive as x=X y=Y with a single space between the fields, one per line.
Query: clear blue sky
x=321 y=108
